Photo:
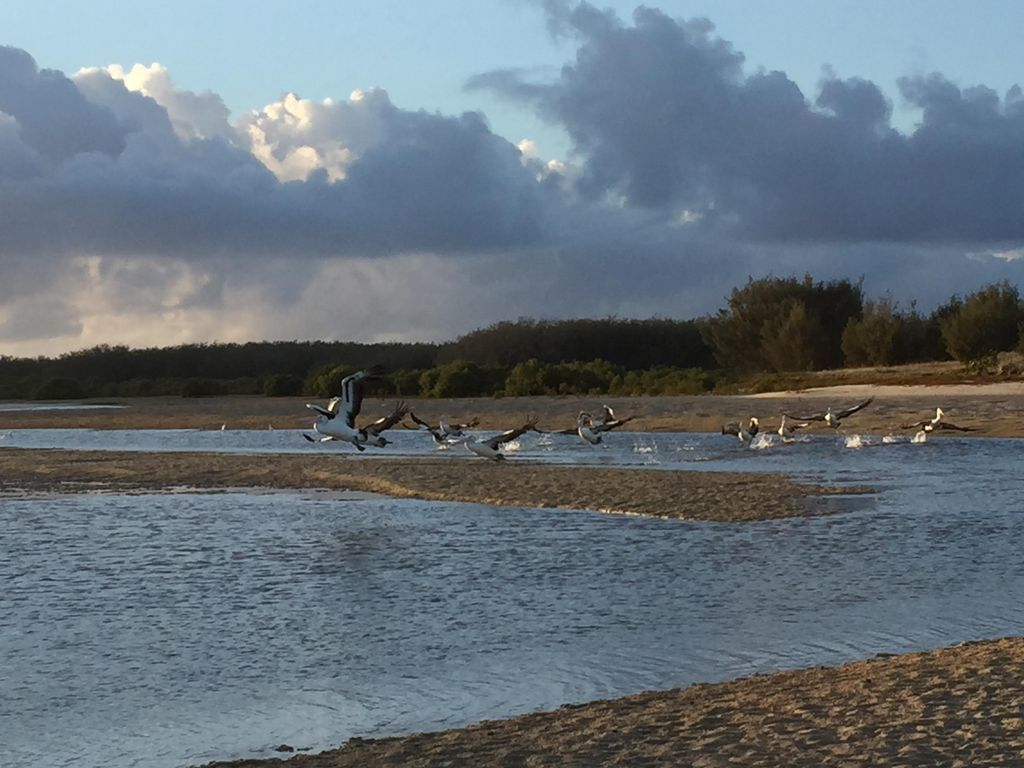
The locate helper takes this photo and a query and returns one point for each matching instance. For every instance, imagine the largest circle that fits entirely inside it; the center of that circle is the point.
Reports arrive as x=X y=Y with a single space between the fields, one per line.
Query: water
x=171 y=629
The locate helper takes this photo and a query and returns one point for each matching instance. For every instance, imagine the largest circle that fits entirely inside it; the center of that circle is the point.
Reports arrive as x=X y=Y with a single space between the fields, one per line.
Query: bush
x=200 y=388
x=874 y=339
x=282 y=385
x=59 y=388
x=987 y=322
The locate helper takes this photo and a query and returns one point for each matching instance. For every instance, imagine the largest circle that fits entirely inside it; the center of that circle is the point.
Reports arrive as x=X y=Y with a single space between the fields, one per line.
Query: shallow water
x=166 y=630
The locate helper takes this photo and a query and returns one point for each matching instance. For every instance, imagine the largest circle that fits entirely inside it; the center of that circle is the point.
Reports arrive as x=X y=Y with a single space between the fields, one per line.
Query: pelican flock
x=337 y=421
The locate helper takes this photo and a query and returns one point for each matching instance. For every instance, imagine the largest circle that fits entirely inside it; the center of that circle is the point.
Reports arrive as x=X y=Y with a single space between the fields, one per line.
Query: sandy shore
x=959 y=707
x=994 y=409
x=683 y=495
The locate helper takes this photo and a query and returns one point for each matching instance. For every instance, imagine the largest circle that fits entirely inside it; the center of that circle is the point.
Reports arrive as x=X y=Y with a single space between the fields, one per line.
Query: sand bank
x=994 y=409
x=684 y=495
x=955 y=707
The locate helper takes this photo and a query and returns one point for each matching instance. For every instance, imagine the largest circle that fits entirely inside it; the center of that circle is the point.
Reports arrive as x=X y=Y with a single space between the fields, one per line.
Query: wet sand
x=959 y=707
x=681 y=494
x=993 y=409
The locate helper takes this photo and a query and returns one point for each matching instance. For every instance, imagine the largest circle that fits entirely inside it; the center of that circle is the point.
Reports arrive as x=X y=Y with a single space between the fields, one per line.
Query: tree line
x=769 y=325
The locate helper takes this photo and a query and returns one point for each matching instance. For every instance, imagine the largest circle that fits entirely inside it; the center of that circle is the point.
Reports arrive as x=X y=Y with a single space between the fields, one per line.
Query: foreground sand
x=956 y=707
x=685 y=495
x=994 y=409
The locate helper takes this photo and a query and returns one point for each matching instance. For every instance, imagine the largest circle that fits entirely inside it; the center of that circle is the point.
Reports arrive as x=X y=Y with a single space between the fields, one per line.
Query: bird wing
x=949 y=425
x=512 y=434
x=853 y=409
x=608 y=415
x=732 y=428
x=569 y=431
x=421 y=422
x=613 y=424
x=322 y=411
x=387 y=422
x=820 y=416
x=468 y=425
x=352 y=395
x=916 y=424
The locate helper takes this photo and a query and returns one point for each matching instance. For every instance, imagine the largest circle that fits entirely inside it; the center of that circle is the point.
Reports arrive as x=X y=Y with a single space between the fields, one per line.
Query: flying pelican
x=938 y=423
x=788 y=431
x=444 y=430
x=830 y=417
x=347 y=407
x=374 y=430
x=608 y=421
x=585 y=428
x=745 y=434
x=489 y=448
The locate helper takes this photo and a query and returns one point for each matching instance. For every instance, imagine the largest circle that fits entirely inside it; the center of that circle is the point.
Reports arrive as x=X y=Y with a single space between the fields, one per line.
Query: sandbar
x=958 y=707
x=658 y=493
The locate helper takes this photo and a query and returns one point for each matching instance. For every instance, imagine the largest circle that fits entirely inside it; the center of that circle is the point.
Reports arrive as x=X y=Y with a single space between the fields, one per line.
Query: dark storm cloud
x=89 y=166
x=662 y=112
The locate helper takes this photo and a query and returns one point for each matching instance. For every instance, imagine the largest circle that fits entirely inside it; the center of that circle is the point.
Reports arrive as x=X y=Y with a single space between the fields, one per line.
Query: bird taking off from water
x=744 y=433
x=935 y=424
x=489 y=449
x=830 y=417
x=338 y=420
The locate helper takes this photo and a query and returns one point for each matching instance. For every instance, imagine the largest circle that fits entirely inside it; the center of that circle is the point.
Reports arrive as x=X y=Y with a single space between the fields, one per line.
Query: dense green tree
x=986 y=322
x=752 y=332
x=876 y=337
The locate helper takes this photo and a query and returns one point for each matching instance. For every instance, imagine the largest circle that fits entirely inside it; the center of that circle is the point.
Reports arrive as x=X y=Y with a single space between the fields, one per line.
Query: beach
x=991 y=409
x=959 y=707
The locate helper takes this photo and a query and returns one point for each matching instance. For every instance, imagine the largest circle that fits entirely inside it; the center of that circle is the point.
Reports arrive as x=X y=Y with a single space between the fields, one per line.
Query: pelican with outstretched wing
x=831 y=417
x=338 y=420
x=935 y=424
x=489 y=449
x=744 y=433
x=374 y=431
x=787 y=431
x=444 y=430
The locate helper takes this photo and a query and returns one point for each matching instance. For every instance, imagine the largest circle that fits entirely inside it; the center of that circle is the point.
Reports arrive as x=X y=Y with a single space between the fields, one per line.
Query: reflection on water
x=62 y=406
x=162 y=630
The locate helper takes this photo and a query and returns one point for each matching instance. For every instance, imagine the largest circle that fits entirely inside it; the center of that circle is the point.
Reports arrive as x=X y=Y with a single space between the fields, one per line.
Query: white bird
x=488 y=449
x=347 y=407
x=744 y=433
x=936 y=424
x=830 y=417
x=788 y=431
x=585 y=428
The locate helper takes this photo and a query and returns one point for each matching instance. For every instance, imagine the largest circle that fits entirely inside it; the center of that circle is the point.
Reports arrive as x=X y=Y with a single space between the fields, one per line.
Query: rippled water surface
x=171 y=629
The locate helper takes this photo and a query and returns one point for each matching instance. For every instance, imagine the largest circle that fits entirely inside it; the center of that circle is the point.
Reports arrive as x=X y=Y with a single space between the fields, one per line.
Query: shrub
x=59 y=388
x=282 y=385
x=200 y=388
x=987 y=322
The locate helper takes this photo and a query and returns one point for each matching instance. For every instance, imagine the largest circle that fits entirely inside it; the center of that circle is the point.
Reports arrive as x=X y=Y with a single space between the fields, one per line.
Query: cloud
x=663 y=113
x=115 y=162
x=133 y=211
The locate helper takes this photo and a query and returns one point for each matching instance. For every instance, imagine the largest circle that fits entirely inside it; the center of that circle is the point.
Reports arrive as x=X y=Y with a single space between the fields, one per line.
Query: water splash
x=856 y=441
x=762 y=441
x=512 y=446
x=919 y=438
x=639 y=447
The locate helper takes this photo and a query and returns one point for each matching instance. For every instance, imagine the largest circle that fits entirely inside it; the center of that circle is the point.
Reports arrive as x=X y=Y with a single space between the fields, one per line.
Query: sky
x=195 y=172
